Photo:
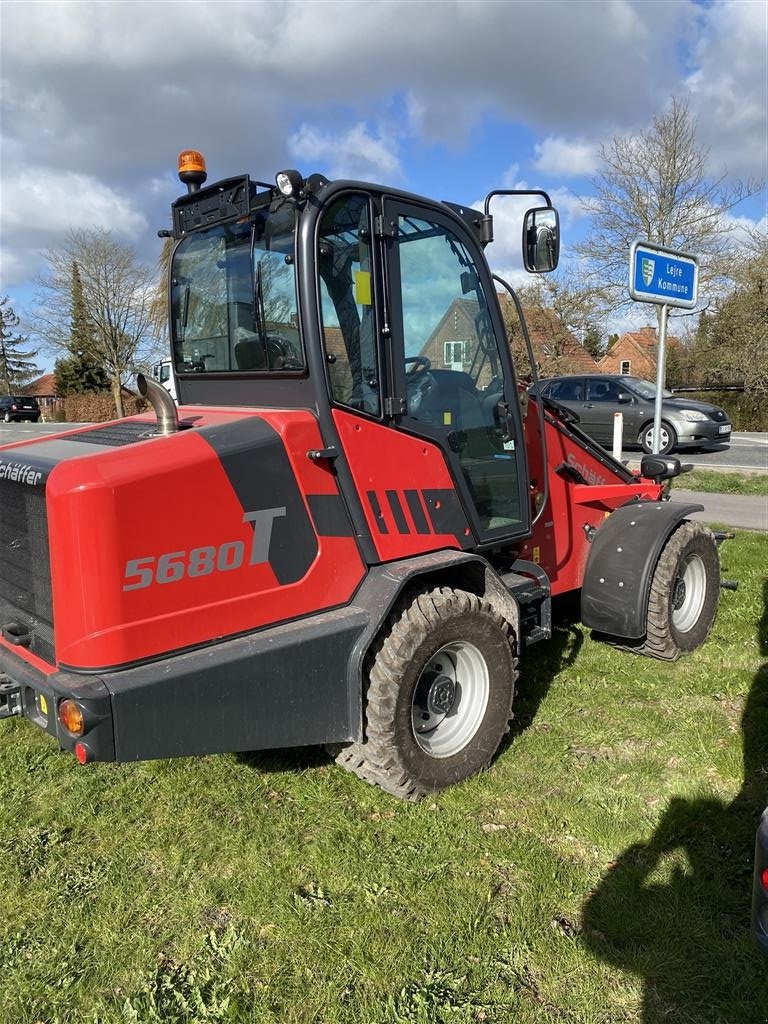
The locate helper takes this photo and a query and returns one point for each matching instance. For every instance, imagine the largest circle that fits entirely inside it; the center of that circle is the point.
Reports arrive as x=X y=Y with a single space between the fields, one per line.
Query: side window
x=602 y=391
x=567 y=391
x=446 y=321
x=346 y=296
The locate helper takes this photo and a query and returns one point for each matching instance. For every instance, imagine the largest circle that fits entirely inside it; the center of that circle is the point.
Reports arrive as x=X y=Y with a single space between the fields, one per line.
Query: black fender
x=620 y=565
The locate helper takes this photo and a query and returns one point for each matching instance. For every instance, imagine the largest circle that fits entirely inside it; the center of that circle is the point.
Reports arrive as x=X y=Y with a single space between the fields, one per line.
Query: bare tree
x=654 y=186
x=117 y=292
x=561 y=312
x=731 y=343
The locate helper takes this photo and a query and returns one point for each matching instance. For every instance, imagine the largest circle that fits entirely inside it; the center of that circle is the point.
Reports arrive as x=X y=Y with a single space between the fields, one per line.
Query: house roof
x=543 y=327
x=43 y=387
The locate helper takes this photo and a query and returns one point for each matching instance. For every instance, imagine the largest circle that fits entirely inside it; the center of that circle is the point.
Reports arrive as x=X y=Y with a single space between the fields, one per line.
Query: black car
x=685 y=423
x=19 y=407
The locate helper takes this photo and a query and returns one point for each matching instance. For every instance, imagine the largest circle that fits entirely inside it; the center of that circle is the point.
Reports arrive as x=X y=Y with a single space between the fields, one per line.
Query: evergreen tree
x=17 y=364
x=80 y=371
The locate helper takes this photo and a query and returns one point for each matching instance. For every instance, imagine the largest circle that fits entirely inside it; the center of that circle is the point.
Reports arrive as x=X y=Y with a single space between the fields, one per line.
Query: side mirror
x=624 y=398
x=541 y=240
x=659 y=467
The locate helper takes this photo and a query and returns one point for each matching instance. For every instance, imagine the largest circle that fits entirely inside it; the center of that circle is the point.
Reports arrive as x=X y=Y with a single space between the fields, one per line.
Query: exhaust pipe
x=161 y=402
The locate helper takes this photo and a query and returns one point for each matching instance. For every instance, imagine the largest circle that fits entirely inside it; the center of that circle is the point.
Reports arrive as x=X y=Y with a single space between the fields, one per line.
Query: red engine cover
x=178 y=541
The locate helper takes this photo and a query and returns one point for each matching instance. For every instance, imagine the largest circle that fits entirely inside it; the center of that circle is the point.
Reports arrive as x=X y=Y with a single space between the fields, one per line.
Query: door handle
x=505 y=416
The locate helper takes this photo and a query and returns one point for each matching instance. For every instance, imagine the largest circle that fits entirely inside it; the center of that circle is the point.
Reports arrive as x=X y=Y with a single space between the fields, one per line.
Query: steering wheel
x=420 y=386
x=419 y=364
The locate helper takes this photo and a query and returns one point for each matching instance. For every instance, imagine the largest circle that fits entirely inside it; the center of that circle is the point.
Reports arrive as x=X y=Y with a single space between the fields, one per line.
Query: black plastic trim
x=620 y=564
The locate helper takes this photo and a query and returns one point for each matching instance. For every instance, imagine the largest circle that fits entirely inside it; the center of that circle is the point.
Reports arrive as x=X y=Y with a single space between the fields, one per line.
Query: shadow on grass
x=676 y=910
x=285 y=759
x=541 y=664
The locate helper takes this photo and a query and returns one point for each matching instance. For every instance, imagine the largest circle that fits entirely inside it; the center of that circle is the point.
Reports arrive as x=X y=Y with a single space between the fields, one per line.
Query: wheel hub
x=678 y=595
x=450 y=699
x=441 y=696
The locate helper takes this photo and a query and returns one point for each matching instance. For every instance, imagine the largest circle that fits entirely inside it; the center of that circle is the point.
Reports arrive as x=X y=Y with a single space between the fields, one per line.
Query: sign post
x=666 y=277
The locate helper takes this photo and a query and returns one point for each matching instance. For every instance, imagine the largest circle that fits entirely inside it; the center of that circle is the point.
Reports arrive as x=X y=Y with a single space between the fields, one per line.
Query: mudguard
x=620 y=565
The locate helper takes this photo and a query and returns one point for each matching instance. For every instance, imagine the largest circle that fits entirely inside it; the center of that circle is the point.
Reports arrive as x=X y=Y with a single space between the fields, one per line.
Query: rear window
x=24 y=400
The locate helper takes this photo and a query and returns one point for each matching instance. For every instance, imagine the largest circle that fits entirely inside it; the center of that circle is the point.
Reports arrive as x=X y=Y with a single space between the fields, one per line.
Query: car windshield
x=644 y=388
x=233 y=297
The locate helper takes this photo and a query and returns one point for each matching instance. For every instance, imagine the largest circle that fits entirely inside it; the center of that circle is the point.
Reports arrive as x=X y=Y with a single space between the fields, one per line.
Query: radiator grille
x=25 y=566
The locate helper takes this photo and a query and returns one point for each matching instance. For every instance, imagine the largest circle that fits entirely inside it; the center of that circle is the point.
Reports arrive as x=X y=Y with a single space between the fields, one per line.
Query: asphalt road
x=742 y=511
x=745 y=452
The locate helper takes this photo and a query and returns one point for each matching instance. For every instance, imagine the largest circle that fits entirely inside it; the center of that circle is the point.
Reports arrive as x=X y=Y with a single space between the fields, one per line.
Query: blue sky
x=447 y=99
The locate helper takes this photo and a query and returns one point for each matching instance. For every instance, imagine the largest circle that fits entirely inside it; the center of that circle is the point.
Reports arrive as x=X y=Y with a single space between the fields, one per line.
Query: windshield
x=233 y=297
x=644 y=388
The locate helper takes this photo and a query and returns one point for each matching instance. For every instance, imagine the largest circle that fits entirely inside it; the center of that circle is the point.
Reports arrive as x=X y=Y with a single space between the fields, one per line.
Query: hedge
x=97 y=407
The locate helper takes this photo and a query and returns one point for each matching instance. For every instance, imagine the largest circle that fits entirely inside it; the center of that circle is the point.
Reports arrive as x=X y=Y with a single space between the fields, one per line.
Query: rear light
x=764 y=879
x=81 y=753
x=13 y=408
x=71 y=717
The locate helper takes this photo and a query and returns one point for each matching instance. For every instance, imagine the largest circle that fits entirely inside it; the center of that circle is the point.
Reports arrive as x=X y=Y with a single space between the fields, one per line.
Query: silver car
x=595 y=398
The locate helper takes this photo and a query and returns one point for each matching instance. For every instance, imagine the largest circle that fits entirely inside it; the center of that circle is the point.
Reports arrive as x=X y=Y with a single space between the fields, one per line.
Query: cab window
x=347 y=304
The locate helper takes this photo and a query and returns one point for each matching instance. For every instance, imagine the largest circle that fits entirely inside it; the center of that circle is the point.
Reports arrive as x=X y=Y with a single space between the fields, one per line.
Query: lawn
x=716 y=482
x=600 y=872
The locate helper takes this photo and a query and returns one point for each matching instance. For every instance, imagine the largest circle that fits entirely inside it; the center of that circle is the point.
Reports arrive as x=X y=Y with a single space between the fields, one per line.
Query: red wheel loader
x=353 y=525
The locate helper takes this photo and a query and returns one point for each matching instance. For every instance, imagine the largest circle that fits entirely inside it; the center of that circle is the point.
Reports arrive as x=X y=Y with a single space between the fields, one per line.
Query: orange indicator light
x=71 y=717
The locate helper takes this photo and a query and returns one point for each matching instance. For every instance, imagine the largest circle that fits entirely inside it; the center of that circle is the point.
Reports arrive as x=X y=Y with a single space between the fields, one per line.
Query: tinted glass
x=602 y=391
x=347 y=304
x=233 y=297
x=567 y=390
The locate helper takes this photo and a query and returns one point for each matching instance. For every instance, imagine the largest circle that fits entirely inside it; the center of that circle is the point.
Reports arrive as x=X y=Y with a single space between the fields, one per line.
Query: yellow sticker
x=537 y=556
x=362 y=288
x=43 y=704
x=446 y=419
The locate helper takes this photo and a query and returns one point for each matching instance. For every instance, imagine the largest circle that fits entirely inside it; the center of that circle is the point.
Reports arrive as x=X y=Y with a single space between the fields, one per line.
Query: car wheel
x=439 y=700
x=6 y=417
x=667 y=438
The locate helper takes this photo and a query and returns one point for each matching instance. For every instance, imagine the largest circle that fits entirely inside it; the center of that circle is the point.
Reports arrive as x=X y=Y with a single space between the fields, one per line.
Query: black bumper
x=28 y=693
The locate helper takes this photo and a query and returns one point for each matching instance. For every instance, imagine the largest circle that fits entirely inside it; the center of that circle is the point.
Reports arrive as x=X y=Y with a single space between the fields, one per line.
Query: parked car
x=596 y=397
x=19 y=407
x=760 y=888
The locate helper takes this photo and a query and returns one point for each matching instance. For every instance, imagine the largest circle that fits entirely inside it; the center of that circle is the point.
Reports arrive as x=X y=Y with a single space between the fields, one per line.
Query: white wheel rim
x=663 y=439
x=450 y=699
x=689 y=591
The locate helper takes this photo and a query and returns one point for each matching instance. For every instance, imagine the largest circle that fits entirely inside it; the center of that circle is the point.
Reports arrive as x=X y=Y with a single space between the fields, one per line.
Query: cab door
x=451 y=373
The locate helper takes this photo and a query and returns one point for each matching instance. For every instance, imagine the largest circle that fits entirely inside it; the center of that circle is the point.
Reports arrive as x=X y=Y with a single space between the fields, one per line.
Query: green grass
x=598 y=873
x=714 y=482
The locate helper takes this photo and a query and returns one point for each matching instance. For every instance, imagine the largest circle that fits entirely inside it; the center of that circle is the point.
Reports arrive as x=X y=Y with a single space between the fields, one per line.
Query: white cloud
x=355 y=153
x=566 y=157
x=111 y=92
x=41 y=205
x=728 y=87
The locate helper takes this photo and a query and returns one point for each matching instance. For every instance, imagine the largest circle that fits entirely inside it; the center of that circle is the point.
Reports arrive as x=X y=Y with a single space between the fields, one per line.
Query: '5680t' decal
x=178 y=565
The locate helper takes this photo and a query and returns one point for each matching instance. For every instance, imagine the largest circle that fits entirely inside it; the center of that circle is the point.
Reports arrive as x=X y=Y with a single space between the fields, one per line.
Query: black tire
x=667 y=439
x=6 y=417
x=406 y=676
x=684 y=592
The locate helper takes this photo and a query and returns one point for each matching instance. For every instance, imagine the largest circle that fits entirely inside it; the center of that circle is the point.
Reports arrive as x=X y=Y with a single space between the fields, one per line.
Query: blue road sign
x=664 y=276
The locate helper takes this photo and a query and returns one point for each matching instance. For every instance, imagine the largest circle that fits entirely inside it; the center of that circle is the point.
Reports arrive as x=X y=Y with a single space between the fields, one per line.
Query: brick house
x=635 y=354
x=555 y=348
x=44 y=390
